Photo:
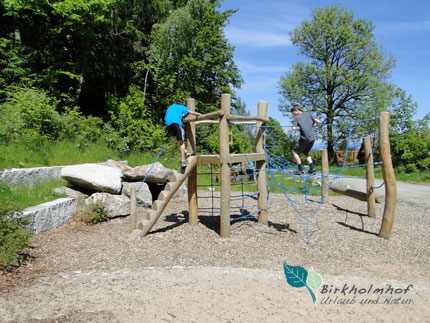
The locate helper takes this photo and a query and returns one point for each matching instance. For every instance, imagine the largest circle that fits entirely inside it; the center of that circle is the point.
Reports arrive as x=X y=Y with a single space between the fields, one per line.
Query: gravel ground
x=184 y=273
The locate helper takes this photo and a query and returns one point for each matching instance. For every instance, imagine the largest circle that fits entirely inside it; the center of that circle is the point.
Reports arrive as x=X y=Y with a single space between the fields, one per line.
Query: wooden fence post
x=261 y=165
x=192 y=178
x=388 y=174
x=370 y=178
x=133 y=209
x=324 y=175
x=225 y=167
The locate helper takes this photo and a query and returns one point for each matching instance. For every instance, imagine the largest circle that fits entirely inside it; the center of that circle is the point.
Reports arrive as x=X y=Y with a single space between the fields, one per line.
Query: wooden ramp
x=144 y=226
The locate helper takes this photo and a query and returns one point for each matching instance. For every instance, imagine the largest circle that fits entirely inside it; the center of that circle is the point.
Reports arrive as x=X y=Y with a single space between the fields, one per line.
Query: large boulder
x=72 y=193
x=49 y=215
x=158 y=174
x=143 y=197
x=121 y=166
x=113 y=205
x=94 y=177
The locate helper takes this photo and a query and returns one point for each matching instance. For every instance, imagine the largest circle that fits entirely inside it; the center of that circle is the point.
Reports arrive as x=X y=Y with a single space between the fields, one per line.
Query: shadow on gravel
x=361 y=215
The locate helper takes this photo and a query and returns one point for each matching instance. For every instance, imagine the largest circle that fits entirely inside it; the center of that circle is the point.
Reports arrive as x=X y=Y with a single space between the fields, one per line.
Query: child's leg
x=182 y=149
x=309 y=160
x=298 y=160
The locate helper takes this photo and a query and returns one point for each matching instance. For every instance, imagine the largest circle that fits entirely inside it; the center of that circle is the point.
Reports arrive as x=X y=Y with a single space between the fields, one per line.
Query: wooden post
x=261 y=165
x=388 y=174
x=370 y=178
x=133 y=209
x=193 y=216
x=324 y=175
x=224 y=154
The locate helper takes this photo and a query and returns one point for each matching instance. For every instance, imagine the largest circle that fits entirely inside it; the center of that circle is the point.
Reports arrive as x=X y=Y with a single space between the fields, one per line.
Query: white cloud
x=257 y=38
x=261 y=69
x=384 y=28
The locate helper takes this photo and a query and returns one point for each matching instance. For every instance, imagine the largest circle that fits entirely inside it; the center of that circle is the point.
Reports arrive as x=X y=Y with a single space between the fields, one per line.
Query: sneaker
x=311 y=171
x=298 y=172
x=187 y=154
x=183 y=164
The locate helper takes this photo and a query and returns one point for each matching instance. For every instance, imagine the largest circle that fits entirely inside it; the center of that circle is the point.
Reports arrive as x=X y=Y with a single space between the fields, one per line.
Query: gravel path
x=184 y=273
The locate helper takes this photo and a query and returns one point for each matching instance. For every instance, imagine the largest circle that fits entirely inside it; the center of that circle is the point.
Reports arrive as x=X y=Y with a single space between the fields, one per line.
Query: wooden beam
x=248 y=118
x=234 y=158
x=261 y=164
x=133 y=209
x=206 y=116
x=325 y=173
x=224 y=152
x=192 y=178
x=370 y=178
x=388 y=175
x=206 y=122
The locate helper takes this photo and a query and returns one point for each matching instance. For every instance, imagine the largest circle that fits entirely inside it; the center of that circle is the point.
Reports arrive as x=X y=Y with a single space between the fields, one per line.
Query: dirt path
x=183 y=273
x=407 y=192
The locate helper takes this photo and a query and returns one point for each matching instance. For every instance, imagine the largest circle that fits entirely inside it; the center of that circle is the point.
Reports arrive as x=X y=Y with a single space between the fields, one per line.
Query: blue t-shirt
x=175 y=113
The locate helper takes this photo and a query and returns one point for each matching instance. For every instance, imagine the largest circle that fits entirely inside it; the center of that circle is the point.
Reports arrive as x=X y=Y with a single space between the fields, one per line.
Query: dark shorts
x=176 y=130
x=303 y=147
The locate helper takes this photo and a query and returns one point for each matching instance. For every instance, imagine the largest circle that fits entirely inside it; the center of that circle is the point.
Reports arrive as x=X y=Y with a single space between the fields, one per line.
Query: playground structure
x=226 y=160
x=387 y=173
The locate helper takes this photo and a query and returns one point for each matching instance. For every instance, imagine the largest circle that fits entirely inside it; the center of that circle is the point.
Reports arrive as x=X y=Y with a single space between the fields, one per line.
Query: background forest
x=94 y=78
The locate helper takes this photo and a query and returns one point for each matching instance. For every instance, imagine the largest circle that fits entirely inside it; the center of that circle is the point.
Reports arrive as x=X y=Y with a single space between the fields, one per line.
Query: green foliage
x=190 y=57
x=345 y=75
x=410 y=151
x=93 y=214
x=277 y=140
x=29 y=113
x=13 y=238
x=130 y=121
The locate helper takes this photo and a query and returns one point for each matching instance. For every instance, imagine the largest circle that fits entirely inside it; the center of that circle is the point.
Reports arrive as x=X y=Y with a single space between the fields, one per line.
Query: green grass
x=419 y=177
x=24 y=197
x=68 y=153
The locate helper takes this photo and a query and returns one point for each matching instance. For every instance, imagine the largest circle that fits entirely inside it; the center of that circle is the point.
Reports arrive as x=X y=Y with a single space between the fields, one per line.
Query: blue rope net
x=298 y=188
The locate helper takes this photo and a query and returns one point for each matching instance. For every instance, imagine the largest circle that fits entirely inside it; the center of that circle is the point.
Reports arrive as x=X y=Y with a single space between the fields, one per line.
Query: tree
x=345 y=75
x=189 y=56
x=278 y=141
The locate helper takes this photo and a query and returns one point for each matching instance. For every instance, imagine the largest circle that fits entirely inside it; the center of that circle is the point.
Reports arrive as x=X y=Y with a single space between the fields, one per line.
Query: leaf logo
x=298 y=277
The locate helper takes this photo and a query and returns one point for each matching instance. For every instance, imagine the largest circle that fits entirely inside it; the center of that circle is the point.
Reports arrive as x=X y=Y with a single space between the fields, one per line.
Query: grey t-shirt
x=305 y=122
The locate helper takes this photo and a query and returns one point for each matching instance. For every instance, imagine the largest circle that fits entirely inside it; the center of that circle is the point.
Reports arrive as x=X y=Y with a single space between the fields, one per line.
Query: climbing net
x=301 y=190
x=243 y=199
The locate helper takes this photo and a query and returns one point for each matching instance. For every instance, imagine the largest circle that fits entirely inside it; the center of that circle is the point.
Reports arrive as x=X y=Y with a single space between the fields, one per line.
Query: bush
x=31 y=112
x=13 y=238
x=131 y=127
x=93 y=214
x=409 y=151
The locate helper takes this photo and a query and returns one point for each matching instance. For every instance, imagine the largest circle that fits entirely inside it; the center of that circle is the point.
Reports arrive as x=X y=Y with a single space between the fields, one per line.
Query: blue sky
x=263 y=52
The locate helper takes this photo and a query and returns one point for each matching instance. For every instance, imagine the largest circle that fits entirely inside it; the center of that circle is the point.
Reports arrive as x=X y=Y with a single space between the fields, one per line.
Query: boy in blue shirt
x=175 y=127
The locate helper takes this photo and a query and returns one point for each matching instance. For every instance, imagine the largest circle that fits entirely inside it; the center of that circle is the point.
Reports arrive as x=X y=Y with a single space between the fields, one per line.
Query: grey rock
x=49 y=215
x=113 y=205
x=72 y=193
x=94 y=177
x=143 y=196
x=158 y=174
x=29 y=176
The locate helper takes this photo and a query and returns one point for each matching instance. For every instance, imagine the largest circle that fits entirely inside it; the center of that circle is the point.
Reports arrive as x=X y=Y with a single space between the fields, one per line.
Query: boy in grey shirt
x=306 y=122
